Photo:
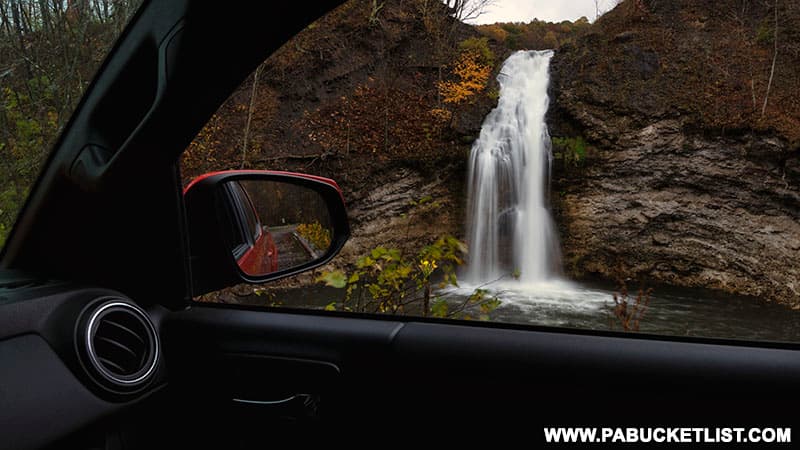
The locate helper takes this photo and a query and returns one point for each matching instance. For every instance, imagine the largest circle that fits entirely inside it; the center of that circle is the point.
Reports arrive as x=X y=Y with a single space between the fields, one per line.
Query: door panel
x=295 y=373
x=364 y=374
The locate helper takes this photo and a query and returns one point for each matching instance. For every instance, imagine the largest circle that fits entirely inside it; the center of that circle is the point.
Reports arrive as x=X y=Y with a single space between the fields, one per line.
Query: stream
x=671 y=311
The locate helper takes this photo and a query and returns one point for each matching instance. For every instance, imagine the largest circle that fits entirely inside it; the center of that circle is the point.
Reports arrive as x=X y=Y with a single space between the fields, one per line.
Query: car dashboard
x=71 y=356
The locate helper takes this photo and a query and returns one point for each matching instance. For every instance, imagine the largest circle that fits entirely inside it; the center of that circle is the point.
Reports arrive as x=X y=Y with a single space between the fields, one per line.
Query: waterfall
x=509 y=227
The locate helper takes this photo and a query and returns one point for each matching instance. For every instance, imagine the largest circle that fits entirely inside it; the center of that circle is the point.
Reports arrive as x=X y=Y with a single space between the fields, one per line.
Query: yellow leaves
x=315 y=234
x=52 y=119
x=427 y=267
x=471 y=78
x=441 y=115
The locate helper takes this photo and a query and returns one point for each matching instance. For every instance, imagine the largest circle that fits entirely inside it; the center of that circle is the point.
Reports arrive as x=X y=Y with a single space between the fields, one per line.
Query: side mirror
x=257 y=226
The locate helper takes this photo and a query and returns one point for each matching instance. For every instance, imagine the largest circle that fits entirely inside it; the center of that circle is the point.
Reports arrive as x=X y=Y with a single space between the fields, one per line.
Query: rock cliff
x=686 y=180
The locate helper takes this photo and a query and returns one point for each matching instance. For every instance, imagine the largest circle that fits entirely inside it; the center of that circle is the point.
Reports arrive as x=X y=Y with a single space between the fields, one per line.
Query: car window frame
x=241 y=242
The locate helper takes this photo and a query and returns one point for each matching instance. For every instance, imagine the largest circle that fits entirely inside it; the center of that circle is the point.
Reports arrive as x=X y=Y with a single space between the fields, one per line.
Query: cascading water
x=509 y=227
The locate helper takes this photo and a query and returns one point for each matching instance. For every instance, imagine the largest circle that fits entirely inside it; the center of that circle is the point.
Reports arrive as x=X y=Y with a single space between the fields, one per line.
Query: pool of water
x=590 y=305
x=670 y=310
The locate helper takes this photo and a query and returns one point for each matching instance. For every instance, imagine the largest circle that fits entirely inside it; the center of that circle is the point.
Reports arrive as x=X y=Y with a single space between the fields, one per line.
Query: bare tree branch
x=466 y=10
x=250 y=110
x=774 y=59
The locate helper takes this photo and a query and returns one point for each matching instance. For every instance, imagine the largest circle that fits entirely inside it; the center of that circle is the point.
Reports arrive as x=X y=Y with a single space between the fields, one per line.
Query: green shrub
x=765 y=33
x=572 y=150
x=512 y=28
x=479 y=46
x=386 y=281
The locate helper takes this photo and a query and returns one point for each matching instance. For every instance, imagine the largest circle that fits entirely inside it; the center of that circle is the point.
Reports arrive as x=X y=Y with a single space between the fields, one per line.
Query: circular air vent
x=119 y=345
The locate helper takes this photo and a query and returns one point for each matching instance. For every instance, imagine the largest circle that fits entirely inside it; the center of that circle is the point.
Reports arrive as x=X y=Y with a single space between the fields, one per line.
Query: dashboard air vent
x=120 y=345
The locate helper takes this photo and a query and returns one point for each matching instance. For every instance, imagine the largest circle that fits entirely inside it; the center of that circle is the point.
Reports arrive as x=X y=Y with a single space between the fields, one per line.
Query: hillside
x=355 y=97
x=704 y=63
x=685 y=182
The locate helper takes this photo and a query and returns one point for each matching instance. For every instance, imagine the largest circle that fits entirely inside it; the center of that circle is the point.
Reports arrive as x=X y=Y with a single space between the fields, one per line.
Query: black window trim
x=243 y=239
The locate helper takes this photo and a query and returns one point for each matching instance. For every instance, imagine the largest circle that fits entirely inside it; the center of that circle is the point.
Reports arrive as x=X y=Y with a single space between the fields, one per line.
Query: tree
x=774 y=59
x=550 y=40
x=471 y=78
x=250 y=111
x=49 y=50
x=601 y=7
x=466 y=10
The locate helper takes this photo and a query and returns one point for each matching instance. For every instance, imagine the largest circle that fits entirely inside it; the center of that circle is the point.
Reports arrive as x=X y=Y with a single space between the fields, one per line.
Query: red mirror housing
x=233 y=240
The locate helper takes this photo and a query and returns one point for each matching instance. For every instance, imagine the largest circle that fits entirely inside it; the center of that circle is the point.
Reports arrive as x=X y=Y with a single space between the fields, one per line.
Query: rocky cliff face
x=686 y=182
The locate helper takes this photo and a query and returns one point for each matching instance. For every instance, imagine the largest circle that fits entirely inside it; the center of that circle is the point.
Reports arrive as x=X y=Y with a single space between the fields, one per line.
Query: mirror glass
x=274 y=226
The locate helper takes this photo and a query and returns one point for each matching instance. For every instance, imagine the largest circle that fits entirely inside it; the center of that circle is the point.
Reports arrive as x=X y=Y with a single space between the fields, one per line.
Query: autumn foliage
x=471 y=76
x=536 y=34
x=376 y=118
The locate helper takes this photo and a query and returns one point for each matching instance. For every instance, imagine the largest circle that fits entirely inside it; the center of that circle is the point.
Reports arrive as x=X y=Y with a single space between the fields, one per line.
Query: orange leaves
x=441 y=115
x=471 y=78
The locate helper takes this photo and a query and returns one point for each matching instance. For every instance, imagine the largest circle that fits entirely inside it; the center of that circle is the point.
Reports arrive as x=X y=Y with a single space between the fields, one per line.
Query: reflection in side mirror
x=273 y=226
x=256 y=226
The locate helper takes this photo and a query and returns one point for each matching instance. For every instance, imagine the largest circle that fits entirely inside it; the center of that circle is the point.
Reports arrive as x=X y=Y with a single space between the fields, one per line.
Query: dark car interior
x=102 y=247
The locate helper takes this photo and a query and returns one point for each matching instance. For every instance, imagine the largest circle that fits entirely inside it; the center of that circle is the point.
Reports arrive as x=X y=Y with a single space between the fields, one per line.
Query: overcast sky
x=548 y=10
